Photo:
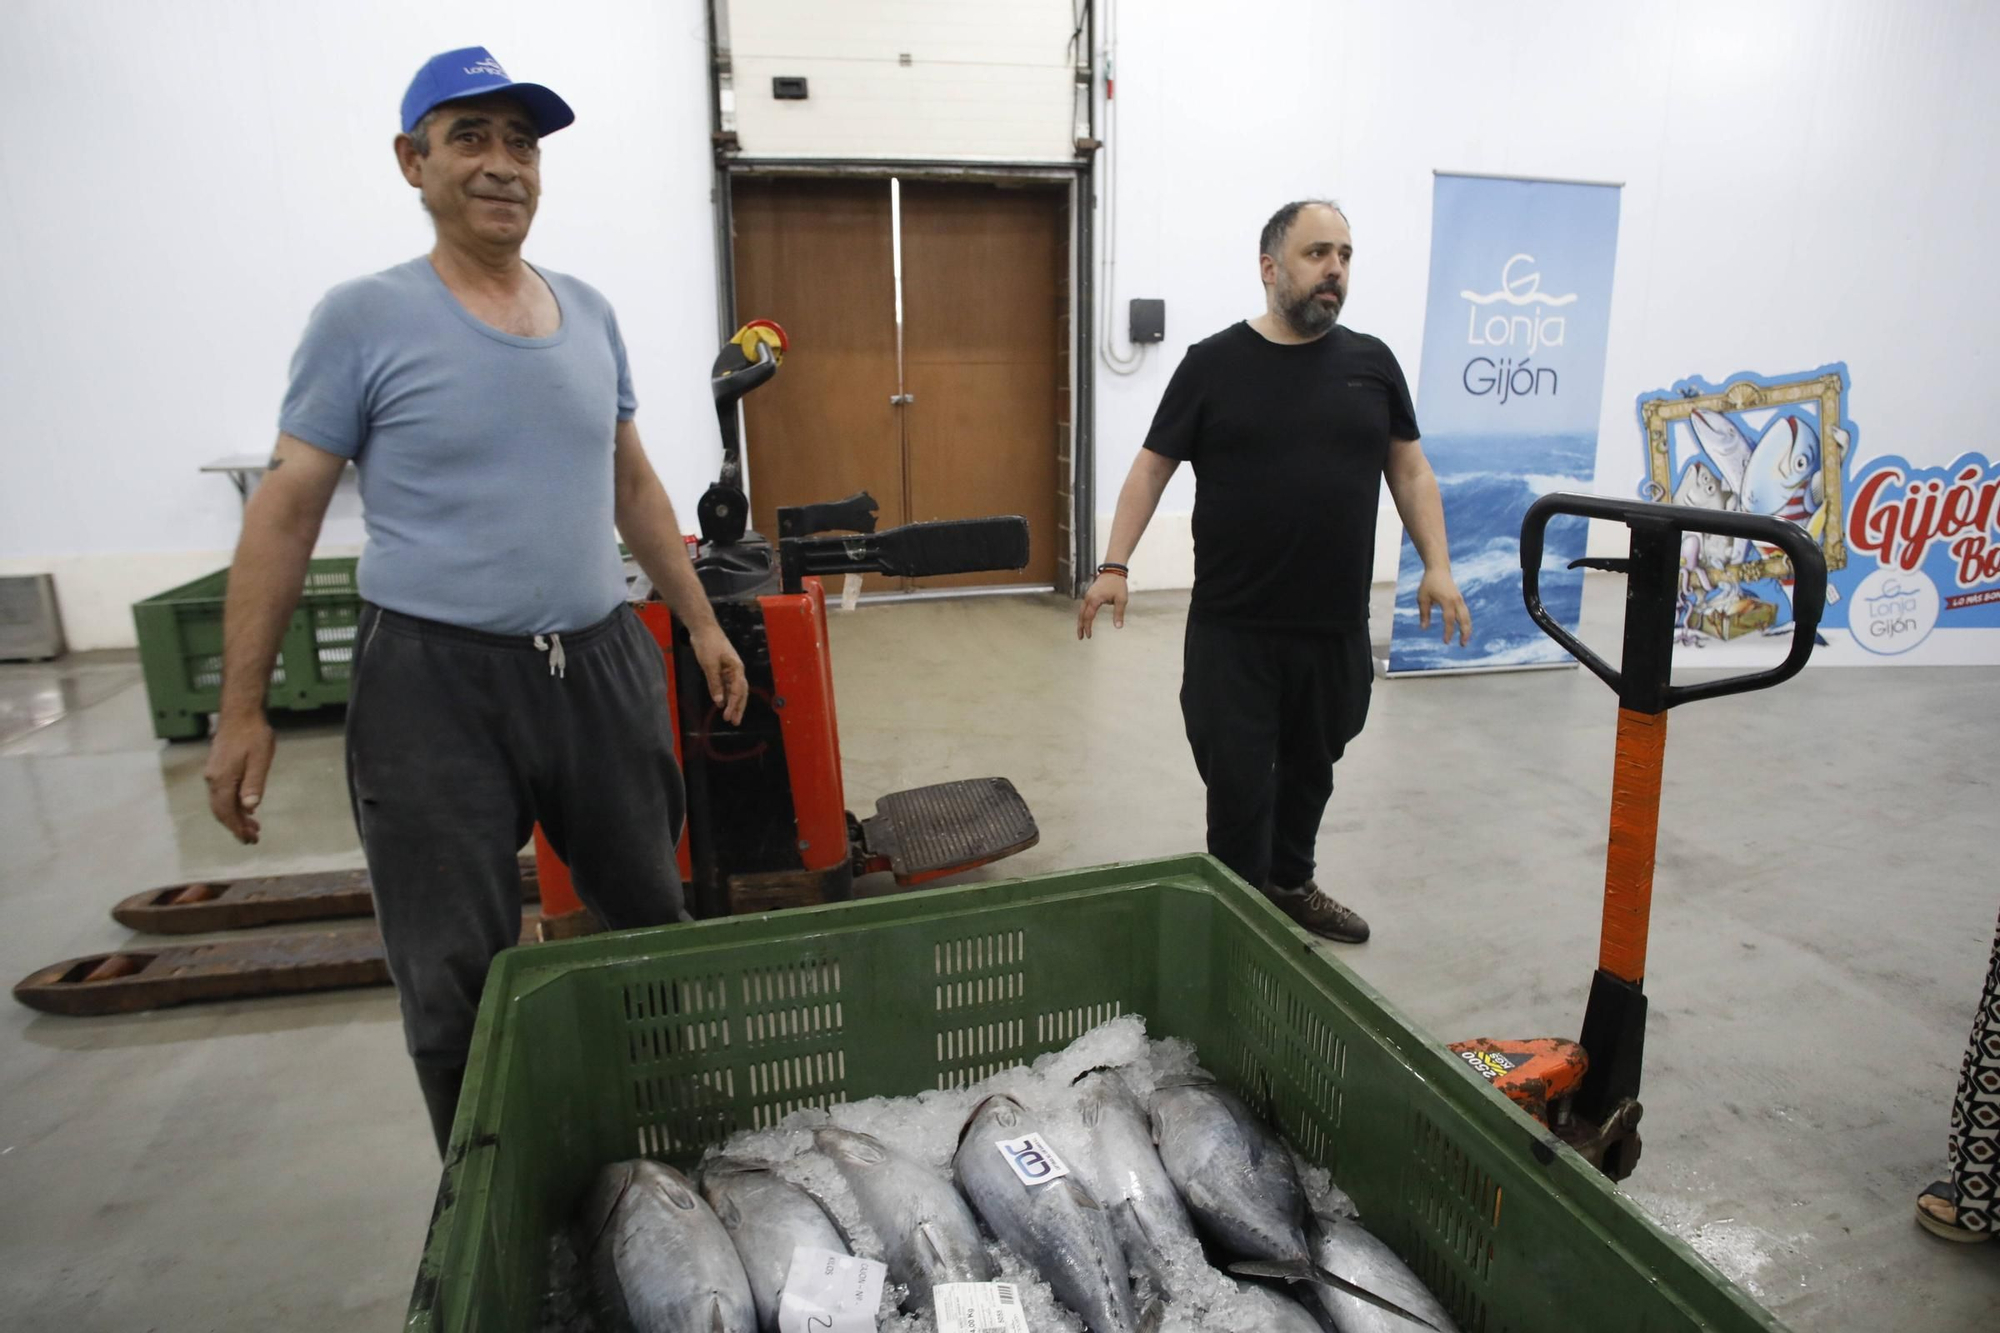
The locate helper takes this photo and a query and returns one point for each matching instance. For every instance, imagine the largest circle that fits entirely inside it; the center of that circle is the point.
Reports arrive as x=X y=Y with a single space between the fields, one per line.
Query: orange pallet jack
x=1587 y=1091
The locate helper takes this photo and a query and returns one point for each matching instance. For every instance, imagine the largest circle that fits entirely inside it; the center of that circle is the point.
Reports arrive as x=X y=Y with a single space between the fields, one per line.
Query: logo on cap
x=487 y=66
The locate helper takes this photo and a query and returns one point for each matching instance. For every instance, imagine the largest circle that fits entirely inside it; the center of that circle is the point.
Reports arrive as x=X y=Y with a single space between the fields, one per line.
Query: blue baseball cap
x=471 y=71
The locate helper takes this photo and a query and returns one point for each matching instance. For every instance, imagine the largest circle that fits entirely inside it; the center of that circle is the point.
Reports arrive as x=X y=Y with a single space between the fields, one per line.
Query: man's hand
x=239 y=761
x=1439 y=589
x=1105 y=589
x=728 y=685
x=280 y=524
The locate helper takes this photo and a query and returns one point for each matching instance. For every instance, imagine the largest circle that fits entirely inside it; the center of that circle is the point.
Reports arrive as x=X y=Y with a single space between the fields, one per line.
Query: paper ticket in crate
x=979 y=1307
x=830 y=1293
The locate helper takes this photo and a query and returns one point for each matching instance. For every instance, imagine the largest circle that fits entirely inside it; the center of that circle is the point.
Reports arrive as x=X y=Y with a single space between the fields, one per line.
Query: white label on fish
x=831 y=1293
x=1034 y=1161
x=979 y=1307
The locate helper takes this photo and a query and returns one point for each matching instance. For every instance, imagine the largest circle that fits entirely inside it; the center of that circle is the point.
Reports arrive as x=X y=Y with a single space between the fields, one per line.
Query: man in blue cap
x=499 y=678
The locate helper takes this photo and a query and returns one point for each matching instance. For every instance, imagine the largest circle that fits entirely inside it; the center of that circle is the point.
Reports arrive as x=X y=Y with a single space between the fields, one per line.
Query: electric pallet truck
x=767 y=824
x=1587 y=1091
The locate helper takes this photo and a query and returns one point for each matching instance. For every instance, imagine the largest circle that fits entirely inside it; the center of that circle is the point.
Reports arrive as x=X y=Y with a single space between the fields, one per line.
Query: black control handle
x=745 y=362
x=751 y=370
x=854 y=514
x=946 y=546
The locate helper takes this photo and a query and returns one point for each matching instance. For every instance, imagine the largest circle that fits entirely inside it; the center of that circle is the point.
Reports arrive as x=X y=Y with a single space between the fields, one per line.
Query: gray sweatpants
x=458 y=743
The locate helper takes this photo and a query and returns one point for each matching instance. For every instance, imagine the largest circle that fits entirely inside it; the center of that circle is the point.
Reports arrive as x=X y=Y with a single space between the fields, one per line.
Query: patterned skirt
x=1974 y=1147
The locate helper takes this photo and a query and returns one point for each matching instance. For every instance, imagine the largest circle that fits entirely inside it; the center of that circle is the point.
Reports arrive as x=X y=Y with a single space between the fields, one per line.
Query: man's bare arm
x=646 y=521
x=280 y=525
x=1413 y=486
x=1137 y=499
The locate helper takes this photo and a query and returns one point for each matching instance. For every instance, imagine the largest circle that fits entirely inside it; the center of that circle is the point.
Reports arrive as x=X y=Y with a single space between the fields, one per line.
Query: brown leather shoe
x=1319 y=913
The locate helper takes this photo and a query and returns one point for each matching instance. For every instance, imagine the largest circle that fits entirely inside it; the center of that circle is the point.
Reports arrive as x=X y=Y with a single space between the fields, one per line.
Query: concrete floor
x=1825 y=905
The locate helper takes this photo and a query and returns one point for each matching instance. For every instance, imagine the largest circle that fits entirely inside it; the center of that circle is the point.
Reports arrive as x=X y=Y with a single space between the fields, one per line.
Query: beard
x=1308 y=316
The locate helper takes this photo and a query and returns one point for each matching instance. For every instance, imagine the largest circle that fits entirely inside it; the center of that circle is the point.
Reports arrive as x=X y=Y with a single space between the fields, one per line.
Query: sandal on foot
x=1937 y=1213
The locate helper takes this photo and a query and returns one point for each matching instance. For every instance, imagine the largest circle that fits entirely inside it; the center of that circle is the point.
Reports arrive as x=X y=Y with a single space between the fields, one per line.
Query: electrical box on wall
x=788 y=88
x=1149 y=320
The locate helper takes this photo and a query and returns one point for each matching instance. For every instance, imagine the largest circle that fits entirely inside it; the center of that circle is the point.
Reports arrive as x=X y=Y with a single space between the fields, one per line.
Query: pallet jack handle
x=1653 y=591
x=1614 y=1023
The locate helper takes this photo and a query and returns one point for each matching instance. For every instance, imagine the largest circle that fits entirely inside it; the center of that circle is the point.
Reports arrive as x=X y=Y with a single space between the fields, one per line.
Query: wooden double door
x=957 y=418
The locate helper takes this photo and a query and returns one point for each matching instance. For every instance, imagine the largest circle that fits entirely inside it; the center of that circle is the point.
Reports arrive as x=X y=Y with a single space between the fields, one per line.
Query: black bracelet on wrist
x=1113 y=567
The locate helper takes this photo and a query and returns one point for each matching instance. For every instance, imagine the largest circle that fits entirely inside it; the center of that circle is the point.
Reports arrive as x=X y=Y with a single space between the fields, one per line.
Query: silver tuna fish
x=768 y=1217
x=1058 y=1227
x=928 y=1234
x=1238 y=1181
x=1347 y=1248
x=1121 y=1166
x=1240 y=1184
x=659 y=1260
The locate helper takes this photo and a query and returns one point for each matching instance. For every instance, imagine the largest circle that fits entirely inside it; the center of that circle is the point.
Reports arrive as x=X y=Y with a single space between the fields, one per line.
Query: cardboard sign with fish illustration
x=1912 y=545
x=1753 y=445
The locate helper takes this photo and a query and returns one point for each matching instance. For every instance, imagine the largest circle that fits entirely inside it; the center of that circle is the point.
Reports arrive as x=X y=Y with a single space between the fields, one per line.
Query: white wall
x=1805 y=181
x=180 y=183
x=992 y=80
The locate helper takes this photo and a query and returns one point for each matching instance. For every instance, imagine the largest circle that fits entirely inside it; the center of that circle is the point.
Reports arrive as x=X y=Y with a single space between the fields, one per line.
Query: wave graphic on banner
x=1488 y=568
x=1529 y=291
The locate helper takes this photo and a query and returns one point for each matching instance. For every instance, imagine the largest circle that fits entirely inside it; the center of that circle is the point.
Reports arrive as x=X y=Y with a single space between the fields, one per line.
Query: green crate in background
x=180 y=647
x=662 y=1042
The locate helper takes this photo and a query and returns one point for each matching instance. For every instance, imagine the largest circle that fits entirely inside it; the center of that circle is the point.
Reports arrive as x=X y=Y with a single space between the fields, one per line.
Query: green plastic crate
x=662 y=1042
x=180 y=647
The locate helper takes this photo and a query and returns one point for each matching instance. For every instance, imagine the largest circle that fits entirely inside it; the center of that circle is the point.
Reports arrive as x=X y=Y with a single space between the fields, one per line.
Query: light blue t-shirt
x=485 y=459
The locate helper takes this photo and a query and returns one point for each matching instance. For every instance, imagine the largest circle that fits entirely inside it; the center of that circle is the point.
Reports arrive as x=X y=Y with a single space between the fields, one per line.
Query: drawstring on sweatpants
x=552 y=645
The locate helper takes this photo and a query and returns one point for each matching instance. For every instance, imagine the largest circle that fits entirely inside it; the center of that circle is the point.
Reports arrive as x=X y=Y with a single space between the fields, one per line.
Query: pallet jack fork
x=1587 y=1091
x=265 y=900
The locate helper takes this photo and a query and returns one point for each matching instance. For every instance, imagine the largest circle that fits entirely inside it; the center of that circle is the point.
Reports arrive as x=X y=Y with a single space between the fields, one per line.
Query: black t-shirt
x=1288 y=443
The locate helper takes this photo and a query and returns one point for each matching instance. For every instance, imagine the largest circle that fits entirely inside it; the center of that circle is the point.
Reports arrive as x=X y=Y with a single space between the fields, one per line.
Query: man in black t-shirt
x=1292 y=423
